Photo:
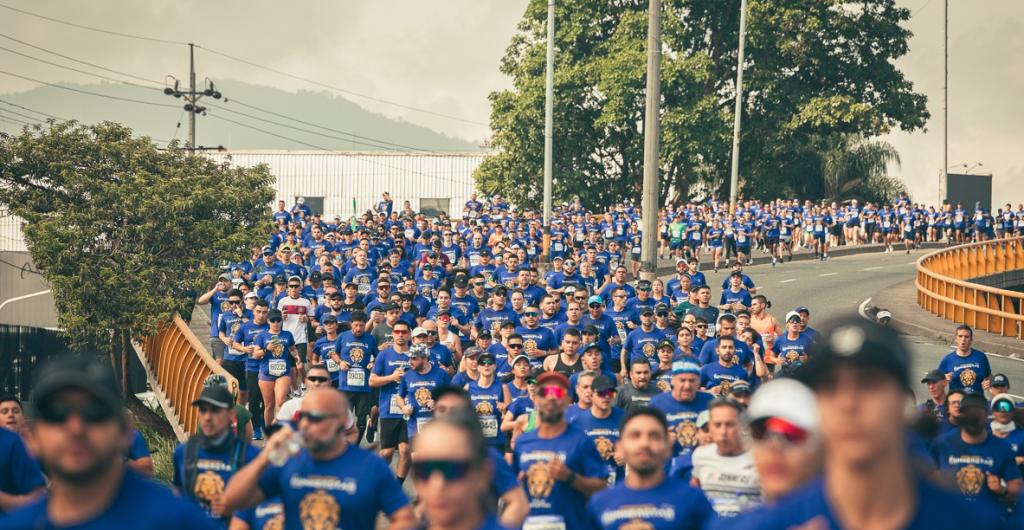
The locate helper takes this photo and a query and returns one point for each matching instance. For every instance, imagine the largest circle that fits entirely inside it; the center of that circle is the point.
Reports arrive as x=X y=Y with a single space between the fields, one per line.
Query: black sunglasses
x=54 y=411
x=515 y=346
x=449 y=470
x=234 y=302
x=273 y=320
x=486 y=362
x=317 y=378
x=294 y=286
x=314 y=416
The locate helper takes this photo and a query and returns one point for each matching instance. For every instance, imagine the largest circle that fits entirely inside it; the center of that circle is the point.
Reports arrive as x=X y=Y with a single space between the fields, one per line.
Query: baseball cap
x=418 y=351
x=274 y=314
x=251 y=294
x=391 y=306
x=1003 y=403
x=740 y=387
x=595 y=300
x=484 y=334
x=661 y=307
x=224 y=276
x=217 y=395
x=590 y=329
x=685 y=367
x=680 y=260
x=643 y=284
x=81 y=372
x=883 y=314
x=279 y=279
x=419 y=332
x=518 y=358
x=666 y=343
x=862 y=343
x=553 y=377
x=787 y=399
x=569 y=263
x=602 y=382
x=702 y=419
x=557 y=258
x=315 y=276
x=329 y=319
x=472 y=352
x=266 y=251
x=802 y=309
x=295 y=277
x=486 y=355
x=1000 y=380
x=933 y=376
x=647 y=310
x=793 y=315
x=590 y=346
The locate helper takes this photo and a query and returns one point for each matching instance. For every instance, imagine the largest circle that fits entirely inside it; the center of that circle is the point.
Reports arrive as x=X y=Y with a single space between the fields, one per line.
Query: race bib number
x=819 y=227
x=393 y=407
x=420 y=422
x=741 y=238
x=544 y=522
x=609 y=233
x=363 y=289
x=474 y=260
x=356 y=377
x=489 y=426
x=277 y=367
x=332 y=365
x=558 y=247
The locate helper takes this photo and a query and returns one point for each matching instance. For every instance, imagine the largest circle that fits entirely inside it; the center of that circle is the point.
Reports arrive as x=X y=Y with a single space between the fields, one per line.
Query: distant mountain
x=160 y=123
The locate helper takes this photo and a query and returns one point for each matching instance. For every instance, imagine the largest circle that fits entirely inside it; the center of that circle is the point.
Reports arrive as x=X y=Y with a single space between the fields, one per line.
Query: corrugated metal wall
x=11 y=239
x=340 y=176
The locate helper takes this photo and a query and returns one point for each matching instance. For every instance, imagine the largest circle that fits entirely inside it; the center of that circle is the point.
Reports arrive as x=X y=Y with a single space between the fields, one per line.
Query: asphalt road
x=839 y=286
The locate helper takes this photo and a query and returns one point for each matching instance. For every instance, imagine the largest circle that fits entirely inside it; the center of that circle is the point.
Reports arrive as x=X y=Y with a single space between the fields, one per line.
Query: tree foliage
x=814 y=68
x=122 y=230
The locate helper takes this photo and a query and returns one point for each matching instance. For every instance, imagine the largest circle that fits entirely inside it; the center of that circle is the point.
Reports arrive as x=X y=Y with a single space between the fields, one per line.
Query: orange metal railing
x=177 y=363
x=944 y=287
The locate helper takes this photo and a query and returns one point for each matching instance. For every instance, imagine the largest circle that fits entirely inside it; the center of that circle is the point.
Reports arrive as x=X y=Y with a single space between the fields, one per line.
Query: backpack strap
x=190 y=462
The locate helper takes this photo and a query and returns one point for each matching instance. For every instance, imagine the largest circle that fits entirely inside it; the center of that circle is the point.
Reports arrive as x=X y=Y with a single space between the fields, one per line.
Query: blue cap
x=802 y=309
x=595 y=300
x=685 y=367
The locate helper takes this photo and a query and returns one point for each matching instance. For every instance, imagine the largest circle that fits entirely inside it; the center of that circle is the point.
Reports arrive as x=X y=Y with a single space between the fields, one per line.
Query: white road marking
x=912 y=263
x=871 y=268
x=787 y=281
x=828 y=274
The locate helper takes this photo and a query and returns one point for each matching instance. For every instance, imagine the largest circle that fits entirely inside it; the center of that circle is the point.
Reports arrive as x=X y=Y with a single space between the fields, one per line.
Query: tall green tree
x=848 y=163
x=122 y=230
x=813 y=68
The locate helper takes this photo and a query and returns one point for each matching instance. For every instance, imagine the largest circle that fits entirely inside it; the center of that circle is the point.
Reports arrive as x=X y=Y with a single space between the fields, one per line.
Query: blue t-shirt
x=968 y=464
x=345 y=492
x=605 y=434
x=277 y=360
x=789 y=350
x=671 y=505
x=139 y=504
x=714 y=374
x=324 y=348
x=415 y=388
x=642 y=344
x=357 y=352
x=266 y=515
x=539 y=338
x=730 y=297
x=709 y=352
x=213 y=471
x=218 y=304
x=229 y=325
x=387 y=362
x=550 y=497
x=19 y=472
x=968 y=372
x=683 y=416
x=246 y=335
x=139 y=448
x=485 y=404
x=936 y=508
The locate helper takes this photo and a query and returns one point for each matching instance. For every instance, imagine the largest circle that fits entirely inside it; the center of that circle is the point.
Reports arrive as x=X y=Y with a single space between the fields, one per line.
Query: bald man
x=362 y=484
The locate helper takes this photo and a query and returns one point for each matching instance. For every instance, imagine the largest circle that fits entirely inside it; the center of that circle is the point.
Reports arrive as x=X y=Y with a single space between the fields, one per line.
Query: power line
x=80 y=91
x=235 y=100
x=90 y=28
x=14 y=120
x=342 y=90
x=76 y=69
x=31 y=110
x=264 y=131
x=62 y=56
x=26 y=116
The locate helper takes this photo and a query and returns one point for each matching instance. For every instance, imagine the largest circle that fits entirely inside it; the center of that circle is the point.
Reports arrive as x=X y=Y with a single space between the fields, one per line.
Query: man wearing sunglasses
x=860 y=373
x=539 y=342
x=330 y=483
x=388 y=369
x=557 y=463
x=645 y=446
x=80 y=436
x=415 y=389
x=206 y=462
x=218 y=300
x=296 y=310
x=317 y=376
x=783 y=418
x=601 y=423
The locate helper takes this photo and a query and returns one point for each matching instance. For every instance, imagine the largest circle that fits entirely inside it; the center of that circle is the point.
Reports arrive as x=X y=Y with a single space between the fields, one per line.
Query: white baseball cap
x=793 y=314
x=883 y=314
x=787 y=399
x=418 y=332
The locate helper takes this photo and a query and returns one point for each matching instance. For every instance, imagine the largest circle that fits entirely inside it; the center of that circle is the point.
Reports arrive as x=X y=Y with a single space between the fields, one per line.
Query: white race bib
x=393 y=407
x=489 y=426
x=558 y=246
x=544 y=522
x=420 y=422
x=277 y=367
x=332 y=365
x=356 y=377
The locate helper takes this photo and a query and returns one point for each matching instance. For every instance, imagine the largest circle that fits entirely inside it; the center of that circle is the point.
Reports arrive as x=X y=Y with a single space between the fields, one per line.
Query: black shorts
x=237 y=370
x=361 y=403
x=392 y=432
x=217 y=347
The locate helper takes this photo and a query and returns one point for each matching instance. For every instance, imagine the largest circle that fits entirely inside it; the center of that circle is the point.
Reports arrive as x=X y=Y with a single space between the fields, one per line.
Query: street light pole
x=549 y=130
x=734 y=180
x=944 y=176
x=652 y=122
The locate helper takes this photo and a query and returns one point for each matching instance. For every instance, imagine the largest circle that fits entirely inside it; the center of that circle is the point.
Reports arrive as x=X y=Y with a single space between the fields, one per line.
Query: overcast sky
x=443 y=55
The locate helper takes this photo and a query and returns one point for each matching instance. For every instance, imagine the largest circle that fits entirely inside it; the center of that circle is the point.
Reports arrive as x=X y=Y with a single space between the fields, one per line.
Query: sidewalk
x=910 y=319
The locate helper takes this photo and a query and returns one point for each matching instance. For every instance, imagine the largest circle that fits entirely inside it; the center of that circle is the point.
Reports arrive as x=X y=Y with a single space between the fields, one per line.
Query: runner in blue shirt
x=558 y=463
x=642 y=343
x=414 y=392
x=329 y=483
x=388 y=369
x=860 y=373
x=966 y=367
x=601 y=423
x=276 y=351
x=794 y=345
x=719 y=376
x=264 y=516
x=489 y=398
x=682 y=405
x=20 y=478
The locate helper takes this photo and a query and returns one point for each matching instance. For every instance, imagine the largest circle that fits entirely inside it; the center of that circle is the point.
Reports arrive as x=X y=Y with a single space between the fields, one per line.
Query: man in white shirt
x=296 y=311
x=725 y=469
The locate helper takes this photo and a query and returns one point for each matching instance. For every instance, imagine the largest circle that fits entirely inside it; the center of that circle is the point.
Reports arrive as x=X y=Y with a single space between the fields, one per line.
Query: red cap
x=553 y=377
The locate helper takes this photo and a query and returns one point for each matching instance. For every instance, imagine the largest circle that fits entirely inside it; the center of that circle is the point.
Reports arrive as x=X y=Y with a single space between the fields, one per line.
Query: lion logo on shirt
x=275 y=523
x=637 y=524
x=970 y=480
x=495 y=327
x=356 y=354
x=539 y=480
x=529 y=344
x=484 y=408
x=663 y=385
x=319 y=511
x=649 y=349
x=605 y=447
x=724 y=387
x=968 y=377
x=422 y=396
x=686 y=433
x=225 y=306
x=209 y=485
x=792 y=355
x=275 y=347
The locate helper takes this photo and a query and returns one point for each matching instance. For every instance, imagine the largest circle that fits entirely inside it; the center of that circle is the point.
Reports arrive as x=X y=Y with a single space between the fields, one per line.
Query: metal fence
x=22 y=349
x=946 y=285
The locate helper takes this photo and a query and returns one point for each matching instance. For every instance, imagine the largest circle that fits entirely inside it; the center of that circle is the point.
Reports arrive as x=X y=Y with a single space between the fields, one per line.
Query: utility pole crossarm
x=192 y=97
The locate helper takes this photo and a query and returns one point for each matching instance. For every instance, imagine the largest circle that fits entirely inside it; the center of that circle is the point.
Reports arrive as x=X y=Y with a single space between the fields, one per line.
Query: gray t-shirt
x=381 y=332
x=629 y=397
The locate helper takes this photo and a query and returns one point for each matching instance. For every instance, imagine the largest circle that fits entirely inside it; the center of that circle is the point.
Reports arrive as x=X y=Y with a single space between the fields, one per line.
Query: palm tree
x=849 y=161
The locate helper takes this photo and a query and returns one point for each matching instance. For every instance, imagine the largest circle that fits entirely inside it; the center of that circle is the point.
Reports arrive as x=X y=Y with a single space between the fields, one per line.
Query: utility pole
x=549 y=131
x=192 y=98
x=734 y=180
x=944 y=175
x=652 y=126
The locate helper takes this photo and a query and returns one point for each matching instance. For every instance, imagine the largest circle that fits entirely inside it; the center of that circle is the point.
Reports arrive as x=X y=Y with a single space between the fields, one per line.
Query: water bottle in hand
x=288 y=447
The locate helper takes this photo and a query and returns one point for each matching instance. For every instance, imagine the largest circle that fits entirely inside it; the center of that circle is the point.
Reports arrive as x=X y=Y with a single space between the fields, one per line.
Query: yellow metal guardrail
x=177 y=363
x=944 y=289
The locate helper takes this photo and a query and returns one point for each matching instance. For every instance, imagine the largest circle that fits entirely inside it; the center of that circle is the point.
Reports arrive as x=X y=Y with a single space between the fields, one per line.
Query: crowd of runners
x=413 y=373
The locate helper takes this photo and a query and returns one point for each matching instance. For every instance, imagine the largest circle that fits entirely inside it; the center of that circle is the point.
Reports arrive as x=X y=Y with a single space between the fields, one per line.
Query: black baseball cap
x=602 y=382
x=933 y=376
x=859 y=342
x=217 y=395
x=274 y=314
x=1000 y=380
x=329 y=319
x=80 y=372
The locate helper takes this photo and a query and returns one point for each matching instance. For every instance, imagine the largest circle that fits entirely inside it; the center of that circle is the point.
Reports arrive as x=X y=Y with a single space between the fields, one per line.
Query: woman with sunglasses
x=275 y=348
x=490 y=398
